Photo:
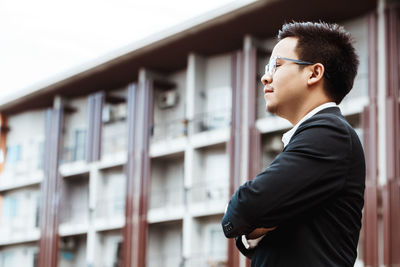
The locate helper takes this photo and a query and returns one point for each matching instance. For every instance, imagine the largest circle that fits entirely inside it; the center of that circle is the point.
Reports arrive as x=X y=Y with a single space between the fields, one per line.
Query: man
x=305 y=208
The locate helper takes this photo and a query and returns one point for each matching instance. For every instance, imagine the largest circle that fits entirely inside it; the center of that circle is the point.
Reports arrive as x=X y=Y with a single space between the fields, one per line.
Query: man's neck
x=297 y=116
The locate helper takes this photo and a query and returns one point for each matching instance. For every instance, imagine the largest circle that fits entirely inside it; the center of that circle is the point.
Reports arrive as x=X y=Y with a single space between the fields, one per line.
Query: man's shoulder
x=327 y=130
x=329 y=119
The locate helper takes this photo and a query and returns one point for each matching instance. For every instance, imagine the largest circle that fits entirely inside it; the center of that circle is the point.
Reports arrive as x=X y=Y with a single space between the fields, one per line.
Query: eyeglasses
x=271 y=66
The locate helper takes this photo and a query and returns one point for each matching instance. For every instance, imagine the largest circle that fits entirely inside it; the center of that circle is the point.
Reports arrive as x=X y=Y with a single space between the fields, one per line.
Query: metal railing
x=205 y=121
x=211 y=120
x=206 y=193
x=216 y=259
x=169 y=130
x=166 y=197
x=22 y=171
x=110 y=207
x=165 y=260
x=73 y=153
x=21 y=223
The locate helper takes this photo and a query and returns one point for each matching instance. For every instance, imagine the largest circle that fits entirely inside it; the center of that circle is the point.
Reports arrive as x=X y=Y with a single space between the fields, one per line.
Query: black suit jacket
x=313 y=192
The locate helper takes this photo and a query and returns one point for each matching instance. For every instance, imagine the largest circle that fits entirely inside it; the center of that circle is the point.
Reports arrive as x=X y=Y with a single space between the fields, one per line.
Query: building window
x=35 y=259
x=13 y=154
x=10 y=209
x=80 y=145
x=217 y=244
x=118 y=255
x=37 y=211
x=7 y=259
x=40 y=159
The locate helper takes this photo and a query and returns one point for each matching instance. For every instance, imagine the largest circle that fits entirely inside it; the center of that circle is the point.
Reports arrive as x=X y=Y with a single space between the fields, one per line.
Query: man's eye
x=277 y=65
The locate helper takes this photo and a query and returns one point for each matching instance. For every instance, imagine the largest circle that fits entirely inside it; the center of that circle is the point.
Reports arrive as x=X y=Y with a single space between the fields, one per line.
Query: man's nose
x=266 y=78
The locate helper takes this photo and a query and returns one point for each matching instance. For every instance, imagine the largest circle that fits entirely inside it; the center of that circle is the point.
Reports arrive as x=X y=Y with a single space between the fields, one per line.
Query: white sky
x=42 y=38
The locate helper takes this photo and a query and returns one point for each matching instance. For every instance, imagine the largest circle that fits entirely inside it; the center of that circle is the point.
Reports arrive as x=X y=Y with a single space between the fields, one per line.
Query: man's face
x=286 y=89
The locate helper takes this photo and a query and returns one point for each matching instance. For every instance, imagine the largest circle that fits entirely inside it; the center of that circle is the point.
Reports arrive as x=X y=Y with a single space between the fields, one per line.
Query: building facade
x=131 y=162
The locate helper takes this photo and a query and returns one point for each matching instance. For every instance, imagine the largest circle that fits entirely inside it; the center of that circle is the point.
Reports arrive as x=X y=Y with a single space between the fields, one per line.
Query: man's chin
x=270 y=108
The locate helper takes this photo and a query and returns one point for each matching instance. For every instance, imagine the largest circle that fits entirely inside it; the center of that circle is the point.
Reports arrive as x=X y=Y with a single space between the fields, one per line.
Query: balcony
x=168 y=130
x=208 y=198
x=19 y=217
x=109 y=249
x=110 y=213
x=73 y=156
x=114 y=143
x=23 y=165
x=74 y=205
x=166 y=205
x=165 y=245
x=24 y=173
x=72 y=251
x=73 y=153
x=212 y=120
x=165 y=260
x=166 y=188
x=209 y=243
x=21 y=226
x=19 y=255
x=168 y=137
x=207 y=260
x=209 y=189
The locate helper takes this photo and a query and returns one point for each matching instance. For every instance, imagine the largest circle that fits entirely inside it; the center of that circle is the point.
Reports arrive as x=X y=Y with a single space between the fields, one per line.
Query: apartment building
x=131 y=162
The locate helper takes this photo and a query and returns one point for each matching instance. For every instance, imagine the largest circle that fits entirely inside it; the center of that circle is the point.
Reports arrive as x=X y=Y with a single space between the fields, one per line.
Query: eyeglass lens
x=270 y=67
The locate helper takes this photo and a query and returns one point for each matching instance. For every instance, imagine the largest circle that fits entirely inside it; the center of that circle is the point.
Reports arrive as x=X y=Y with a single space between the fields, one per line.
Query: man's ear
x=316 y=74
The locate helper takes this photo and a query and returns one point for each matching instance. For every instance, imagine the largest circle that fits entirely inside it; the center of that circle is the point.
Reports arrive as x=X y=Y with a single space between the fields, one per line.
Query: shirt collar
x=288 y=135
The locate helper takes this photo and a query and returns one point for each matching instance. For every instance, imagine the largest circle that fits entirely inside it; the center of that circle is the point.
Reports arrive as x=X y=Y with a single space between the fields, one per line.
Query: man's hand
x=259 y=232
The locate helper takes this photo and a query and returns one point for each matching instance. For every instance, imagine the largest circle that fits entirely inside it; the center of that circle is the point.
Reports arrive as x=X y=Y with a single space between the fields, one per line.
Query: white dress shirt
x=251 y=243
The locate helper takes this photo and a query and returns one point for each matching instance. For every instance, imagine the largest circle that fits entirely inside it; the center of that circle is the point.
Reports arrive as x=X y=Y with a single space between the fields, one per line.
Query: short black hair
x=328 y=44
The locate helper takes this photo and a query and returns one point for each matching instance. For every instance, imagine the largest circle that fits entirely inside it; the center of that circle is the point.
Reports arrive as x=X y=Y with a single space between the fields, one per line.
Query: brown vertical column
x=234 y=145
x=130 y=167
x=138 y=171
x=392 y=190
x=141 y=231
x=254 y=134
x=50 y=188
x=370 y=130
x=3 y=144
x=95 y=112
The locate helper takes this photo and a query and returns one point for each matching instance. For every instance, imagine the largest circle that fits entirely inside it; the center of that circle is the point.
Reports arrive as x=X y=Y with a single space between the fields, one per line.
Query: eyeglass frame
x=271 y=71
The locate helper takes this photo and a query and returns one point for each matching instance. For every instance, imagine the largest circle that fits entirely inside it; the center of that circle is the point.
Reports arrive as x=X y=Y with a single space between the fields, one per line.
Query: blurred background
x=125 y=126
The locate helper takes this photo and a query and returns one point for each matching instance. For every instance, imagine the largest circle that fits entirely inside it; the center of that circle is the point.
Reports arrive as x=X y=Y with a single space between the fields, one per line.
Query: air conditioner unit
x=119 y=111
x=168 y=99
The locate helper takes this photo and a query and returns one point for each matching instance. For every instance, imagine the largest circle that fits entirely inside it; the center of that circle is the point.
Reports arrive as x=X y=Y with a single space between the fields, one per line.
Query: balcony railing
x=164 y=198
x=216 y=259
x=212 y=120
x=73 y=153
x=165 y=260
x=169 y=130
x=22 y=223
x=205 y=193
x=22 y=171
x=110 y=207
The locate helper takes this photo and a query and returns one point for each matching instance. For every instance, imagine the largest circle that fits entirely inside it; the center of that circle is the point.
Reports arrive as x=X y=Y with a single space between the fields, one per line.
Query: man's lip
x=268 y=90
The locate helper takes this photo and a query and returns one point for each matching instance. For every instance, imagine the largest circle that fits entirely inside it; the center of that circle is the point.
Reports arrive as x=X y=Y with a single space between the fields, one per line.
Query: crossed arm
x=301 y=177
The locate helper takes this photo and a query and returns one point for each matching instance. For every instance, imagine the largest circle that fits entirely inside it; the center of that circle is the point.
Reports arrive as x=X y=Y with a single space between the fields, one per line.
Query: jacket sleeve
x=240 y=246
x=310 y=170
